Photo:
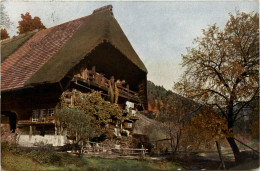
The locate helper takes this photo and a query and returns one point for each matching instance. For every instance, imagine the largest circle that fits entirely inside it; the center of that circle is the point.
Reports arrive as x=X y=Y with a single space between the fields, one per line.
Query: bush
x=45 y=157
x=54 y=158
x=10 y=147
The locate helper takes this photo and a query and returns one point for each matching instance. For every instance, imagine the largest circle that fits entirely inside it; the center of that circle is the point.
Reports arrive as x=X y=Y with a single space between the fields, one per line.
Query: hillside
x=157 y=98
x=142 y=123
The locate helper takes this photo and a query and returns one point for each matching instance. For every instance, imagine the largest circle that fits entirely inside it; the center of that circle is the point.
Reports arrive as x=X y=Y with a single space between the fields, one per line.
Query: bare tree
x=177 y=112
x=5 y=20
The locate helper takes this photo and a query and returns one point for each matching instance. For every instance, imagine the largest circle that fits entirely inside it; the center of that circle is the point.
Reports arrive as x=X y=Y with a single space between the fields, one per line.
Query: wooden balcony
x=94 y=80
x=30 y=122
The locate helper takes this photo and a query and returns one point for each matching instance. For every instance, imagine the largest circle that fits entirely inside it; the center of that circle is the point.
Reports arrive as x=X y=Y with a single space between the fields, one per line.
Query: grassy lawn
x=127 y=165
x=202 y=154
x=19 y=160
x=253 y=144
x=13 y=162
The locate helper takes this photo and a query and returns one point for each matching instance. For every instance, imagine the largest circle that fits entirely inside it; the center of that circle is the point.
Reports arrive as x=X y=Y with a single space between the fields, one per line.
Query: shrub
x=45 y=157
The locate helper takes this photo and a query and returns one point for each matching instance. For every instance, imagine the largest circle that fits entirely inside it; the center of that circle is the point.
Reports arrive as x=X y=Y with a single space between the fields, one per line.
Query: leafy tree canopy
x=94 y=105
x=29 y=24
x=205 y=129
x=4 y=34
x=223 y=69
x=91 y=108
x=78 y=124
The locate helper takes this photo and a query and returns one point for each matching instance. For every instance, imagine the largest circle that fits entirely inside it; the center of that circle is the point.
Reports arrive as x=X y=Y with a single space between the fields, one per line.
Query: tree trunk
x=235 y=149
x=231 y=140
x=178 y=141
x=172 y=141
x=220 y=155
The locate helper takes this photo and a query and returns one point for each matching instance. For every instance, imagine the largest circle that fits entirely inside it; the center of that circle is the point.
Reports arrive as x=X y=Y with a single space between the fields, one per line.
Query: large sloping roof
x=50 y=54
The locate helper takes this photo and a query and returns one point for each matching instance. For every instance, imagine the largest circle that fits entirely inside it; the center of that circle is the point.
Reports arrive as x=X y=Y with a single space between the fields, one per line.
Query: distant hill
x=157 y=98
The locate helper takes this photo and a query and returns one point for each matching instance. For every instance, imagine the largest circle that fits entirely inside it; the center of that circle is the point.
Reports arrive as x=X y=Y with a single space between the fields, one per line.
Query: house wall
x=36 y=140
x=23 y=101
x=114 y=63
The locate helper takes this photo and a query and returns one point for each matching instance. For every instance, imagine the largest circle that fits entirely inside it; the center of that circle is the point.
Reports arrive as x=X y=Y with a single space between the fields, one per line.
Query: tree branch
x=222 y=111
x=240 y=117
x=184 y=118
x=246 y=103
x=214 y=91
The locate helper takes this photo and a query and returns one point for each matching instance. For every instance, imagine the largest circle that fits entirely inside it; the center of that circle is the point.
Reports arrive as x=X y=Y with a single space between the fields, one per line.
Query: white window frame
x=51 y=112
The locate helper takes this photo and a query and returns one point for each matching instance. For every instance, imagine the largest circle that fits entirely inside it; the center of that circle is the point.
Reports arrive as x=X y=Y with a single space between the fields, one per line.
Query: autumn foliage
x=223 y=68
x=89 y=116
x=29 y=24
x=176 y=113
x=4 y=34
x=204 y=130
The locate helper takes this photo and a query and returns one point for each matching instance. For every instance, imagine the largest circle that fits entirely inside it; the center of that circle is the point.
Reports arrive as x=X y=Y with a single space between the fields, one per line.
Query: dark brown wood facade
x=97 y=53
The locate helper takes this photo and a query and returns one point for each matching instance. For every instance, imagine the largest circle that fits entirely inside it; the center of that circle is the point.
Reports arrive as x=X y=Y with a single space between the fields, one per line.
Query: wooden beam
x=61 y=87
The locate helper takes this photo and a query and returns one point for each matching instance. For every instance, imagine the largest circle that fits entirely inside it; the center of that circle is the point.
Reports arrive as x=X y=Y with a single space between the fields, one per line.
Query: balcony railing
x=38 y=122
x=98 y=80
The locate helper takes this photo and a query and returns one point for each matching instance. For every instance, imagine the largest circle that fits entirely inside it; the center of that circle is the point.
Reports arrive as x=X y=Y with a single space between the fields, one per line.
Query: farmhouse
x=89 y=53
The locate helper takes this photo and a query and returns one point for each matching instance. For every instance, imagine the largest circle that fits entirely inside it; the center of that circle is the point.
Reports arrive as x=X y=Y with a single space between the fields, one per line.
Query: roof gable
x=95 y=30
x=50 y=54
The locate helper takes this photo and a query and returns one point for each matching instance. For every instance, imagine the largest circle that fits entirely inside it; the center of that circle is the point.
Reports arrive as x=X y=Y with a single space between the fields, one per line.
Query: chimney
x=104 y=8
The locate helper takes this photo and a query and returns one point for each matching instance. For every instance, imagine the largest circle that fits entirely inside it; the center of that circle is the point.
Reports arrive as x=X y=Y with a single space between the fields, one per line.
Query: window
x=129 y=125
x=50 y=112
x=35 y=115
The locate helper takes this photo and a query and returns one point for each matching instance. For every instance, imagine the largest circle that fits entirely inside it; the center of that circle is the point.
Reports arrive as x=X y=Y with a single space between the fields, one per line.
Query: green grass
x=127 y=165
x=202 y=154
x=253 y=144
x=229 y=155
x=11 y=161
x=15 y=159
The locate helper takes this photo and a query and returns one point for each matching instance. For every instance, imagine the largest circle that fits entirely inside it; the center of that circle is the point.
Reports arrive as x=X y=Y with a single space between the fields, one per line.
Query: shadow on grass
x=14 y=158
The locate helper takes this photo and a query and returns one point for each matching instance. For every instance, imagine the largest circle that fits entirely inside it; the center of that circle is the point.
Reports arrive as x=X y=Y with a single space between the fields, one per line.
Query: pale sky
x=158 y=31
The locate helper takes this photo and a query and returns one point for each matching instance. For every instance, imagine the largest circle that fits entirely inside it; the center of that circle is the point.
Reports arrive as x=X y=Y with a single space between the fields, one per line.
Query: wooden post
x=94 y=73
x=30 y=133
x=127 y=87
x=73 y=97
x=65 y=135
x=55 y=135
x=220 y=155
x=86 y=73
x=98 y=79
x=143 y=151
x=94 y=70
x=112 y=79
x=103 y=81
